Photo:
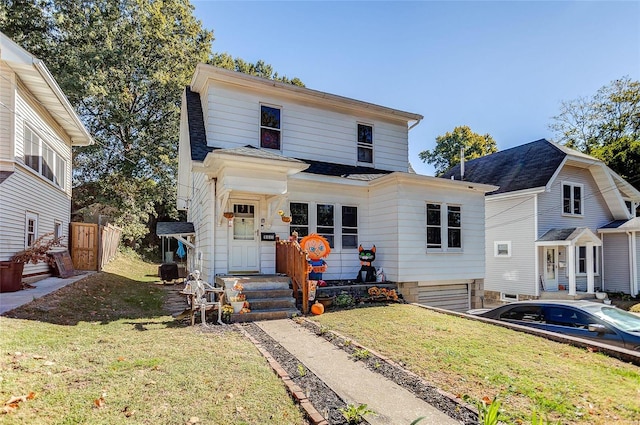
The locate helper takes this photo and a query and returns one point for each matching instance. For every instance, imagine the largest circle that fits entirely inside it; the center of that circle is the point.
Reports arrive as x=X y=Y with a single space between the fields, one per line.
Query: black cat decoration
x=367 y=272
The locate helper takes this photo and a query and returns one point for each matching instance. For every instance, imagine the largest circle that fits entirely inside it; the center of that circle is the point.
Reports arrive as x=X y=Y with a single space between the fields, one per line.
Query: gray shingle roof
x=164 y=228
x=556 y=235
x=339 y=170
x=197 y=131
x=523 y=167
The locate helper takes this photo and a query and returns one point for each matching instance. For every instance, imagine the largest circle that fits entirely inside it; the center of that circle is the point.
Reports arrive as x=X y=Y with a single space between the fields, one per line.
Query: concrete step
x=271 y=303
x=256 y=282
x=564 y=295
x=256 y=315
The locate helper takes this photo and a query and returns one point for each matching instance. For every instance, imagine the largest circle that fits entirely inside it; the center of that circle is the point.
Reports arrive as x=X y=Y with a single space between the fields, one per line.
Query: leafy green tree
x=447 y=151
x=26 y=22
x=259 y=69
x=606 y=126
x=124 y=65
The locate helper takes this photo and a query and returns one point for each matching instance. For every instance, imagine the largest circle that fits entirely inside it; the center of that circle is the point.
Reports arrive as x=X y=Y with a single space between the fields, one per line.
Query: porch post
x=571 y=268
x=590 y=259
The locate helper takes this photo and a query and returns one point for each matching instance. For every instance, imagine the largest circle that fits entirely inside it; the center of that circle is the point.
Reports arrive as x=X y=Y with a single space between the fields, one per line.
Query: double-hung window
x=270 y=127
x=365 y=143
x=349 y=227
x=299 y=218
x=581 y=260
x=326 y=222
x=31 y=229
x=444 y=227
x=572 y=195
x=43 y=159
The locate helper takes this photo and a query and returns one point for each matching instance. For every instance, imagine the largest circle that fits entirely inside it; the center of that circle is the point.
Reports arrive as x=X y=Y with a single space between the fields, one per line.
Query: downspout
x=213 y=223
x=602 y=279
x=536 y=256
x=632 y=271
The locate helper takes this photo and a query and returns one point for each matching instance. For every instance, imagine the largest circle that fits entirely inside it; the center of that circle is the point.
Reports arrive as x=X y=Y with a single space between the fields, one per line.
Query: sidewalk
x=11 y=300
x=351 y=380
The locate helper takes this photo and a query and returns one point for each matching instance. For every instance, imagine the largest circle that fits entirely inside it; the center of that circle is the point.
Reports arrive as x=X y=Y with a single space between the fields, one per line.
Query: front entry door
x=551 y=267
x=243 y=239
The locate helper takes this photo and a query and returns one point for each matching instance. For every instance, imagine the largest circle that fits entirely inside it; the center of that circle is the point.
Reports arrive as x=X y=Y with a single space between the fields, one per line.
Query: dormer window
x=365 y=143
x=572 y=199
x=269 y=127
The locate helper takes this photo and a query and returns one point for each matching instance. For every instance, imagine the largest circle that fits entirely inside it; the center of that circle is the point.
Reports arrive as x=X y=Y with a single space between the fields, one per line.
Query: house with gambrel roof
x=251 y=147
x=560 y=221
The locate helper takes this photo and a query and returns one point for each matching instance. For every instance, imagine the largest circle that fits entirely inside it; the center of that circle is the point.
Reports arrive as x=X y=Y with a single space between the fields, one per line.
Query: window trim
x=444 y=228
x=365 y=145
x=30 y=216
x=496 y=252
x=343 y=227
x=278 y=129
x=508 y=297
x=596 y=265
x=573 y=186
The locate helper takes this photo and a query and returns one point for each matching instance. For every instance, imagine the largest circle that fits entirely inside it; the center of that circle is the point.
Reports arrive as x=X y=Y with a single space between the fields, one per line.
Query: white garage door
x=451 y=297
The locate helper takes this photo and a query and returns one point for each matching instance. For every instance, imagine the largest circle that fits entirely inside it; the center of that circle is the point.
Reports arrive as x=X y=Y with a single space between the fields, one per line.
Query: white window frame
x=508 y=297
x=364 y=145
x=56 y=162
x=444 y=228
x=29 y=216
x=596 y=265
x=354 y=230
x=57 y=229
x=331 y=237
x=496 y=250
x=573 y=186
x=278 y=129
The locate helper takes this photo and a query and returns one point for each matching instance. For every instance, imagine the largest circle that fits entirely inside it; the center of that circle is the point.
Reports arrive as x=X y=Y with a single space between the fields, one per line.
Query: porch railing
x=292 y=261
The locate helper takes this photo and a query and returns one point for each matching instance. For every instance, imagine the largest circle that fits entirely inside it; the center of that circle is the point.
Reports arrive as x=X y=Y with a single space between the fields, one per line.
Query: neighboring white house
x=561 y=220
x=339 y=167
x=39 y=127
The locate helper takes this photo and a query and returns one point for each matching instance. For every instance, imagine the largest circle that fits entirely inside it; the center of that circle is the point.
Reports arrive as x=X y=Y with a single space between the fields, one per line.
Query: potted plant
x=11 y=271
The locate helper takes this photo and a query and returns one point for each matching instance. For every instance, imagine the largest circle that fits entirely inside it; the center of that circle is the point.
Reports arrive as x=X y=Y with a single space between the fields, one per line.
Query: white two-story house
x=560 y=221
x=250 y=147
x=39 y=127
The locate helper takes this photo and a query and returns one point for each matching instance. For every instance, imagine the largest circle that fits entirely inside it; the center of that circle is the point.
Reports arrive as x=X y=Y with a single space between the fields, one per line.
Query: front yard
x=470 y=358
x=103 y=351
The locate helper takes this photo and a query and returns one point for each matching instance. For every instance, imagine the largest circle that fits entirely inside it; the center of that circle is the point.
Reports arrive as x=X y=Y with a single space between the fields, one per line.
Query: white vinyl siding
x=616 y=259
x=398 y=215
x=511 y=219
x=27 y=191
x=308 y=132
x=595 y=212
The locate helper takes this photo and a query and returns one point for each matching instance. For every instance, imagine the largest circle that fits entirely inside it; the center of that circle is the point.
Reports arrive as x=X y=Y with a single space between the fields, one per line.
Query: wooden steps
x=270 y=297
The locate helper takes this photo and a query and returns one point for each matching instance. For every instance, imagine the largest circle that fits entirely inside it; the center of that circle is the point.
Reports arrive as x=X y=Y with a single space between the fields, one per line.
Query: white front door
x=243 y=239
x=551 y=267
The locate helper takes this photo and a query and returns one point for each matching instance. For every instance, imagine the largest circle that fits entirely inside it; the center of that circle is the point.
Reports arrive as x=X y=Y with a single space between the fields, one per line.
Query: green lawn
x=102 y=351
x=466 y=357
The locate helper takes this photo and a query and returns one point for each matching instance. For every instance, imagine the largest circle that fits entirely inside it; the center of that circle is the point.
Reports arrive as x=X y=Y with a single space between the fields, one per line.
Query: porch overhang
x=569 y=237
x=179 y=230
x=249 y=170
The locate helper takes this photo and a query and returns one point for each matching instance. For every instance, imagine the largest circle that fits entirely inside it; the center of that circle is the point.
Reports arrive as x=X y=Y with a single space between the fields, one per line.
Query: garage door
x=451 y=297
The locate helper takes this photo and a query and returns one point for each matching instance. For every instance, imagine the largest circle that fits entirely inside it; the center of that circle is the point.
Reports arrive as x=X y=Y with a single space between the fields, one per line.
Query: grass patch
x=103 y=351
x=471 y=358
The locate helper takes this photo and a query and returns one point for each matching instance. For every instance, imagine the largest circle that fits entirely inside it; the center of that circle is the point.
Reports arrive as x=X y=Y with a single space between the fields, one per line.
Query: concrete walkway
x=351 y=380
x=11 y=300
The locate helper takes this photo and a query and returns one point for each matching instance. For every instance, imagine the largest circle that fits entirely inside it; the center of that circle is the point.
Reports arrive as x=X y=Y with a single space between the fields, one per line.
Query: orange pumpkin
x=317 y=308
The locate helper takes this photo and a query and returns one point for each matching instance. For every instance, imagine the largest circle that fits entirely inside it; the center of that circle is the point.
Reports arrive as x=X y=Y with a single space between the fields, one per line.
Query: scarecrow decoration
x=367 y=272
x=317 y=249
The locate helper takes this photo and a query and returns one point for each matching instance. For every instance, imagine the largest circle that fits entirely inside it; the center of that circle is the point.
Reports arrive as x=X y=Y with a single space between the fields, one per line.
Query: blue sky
x=499 y=67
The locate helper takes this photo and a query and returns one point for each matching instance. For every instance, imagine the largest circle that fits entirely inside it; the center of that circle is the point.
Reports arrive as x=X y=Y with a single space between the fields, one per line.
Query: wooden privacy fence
x=93 y=246
x=292 y=261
